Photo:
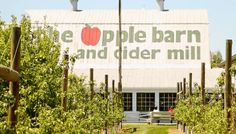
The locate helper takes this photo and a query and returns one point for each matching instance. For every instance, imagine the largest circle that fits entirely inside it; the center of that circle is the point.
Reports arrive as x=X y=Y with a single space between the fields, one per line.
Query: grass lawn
x=146 y=129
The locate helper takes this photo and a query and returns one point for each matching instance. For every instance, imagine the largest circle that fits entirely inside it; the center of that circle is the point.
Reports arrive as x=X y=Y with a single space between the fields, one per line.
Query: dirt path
x=174 y=131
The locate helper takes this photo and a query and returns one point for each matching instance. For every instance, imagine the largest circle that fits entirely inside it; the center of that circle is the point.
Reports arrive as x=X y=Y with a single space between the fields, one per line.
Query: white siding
x=128 y=16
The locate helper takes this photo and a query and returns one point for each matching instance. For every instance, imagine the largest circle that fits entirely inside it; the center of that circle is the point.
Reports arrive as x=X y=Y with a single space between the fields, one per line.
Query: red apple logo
x=90 y=36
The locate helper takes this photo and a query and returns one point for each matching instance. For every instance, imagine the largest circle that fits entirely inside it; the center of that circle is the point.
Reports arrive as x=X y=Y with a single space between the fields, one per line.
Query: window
x=145 y=101
x=166 y=101
x=127 y=98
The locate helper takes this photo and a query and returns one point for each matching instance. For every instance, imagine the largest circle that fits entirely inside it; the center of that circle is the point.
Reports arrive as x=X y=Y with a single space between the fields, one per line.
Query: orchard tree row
x=213 y=112
x=39 y=108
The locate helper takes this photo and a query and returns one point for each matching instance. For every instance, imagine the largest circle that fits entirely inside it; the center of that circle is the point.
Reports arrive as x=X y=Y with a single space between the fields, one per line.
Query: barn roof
x=197 y=16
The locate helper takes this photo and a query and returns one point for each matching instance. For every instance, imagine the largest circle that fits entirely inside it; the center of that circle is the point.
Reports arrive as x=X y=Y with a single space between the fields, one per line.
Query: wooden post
x=65 y=82
x=15 y=65
x=120 y=101
x=184 y=95
x=181 y=90
x=120 y=97
x=113 y=92
x=113 y=86
x=184 y=87
x=120 y=92
x=228 y=92
x=120 y=49
x=190 y=84
x=106 y=96
x=178 y=84
x=106 y=86
x=180 y=97
x=119 y=87
x=177 y=124
x=91 y=83
x=190 y=94
x=203 y=83
x=120 y=56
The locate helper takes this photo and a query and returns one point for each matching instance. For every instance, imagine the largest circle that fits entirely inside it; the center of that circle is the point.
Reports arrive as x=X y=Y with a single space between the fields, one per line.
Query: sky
x=222 y=21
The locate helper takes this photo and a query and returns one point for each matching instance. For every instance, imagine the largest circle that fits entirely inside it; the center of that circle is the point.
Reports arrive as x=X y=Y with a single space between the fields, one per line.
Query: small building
x=159 y=49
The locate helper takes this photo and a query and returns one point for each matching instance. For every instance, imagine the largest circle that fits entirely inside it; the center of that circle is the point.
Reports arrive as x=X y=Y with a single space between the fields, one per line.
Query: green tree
x=202 y=119
x=41 y=70
x=216 y=58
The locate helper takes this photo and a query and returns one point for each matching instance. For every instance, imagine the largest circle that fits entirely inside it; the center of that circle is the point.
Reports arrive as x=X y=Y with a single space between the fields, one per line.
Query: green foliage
x=39 y=109
x=40 y=71
x=202 y=119
x=6 y=99
x=84 y=115
x=216 y=58
x=221 y=79
x=233 y=69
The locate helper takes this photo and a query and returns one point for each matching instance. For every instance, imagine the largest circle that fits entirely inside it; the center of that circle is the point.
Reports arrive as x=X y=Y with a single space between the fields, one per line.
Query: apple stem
x=87 y=25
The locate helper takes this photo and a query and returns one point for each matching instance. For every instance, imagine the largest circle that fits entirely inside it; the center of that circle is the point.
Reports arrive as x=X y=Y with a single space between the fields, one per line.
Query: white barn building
x=160 y=48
